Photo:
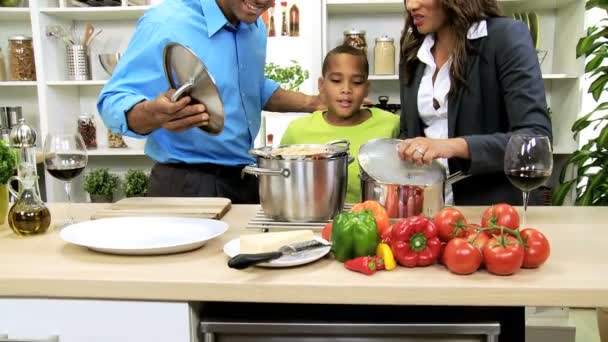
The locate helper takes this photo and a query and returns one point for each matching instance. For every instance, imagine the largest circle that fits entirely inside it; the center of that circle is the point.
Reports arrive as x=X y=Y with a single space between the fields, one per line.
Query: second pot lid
x=380 y=160
x=187 y=73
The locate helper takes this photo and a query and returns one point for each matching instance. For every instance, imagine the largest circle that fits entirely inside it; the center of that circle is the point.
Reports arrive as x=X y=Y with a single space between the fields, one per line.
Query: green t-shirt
x=313 y=129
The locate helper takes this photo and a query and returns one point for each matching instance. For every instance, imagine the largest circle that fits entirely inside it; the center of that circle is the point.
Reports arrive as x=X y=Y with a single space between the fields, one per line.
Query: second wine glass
x=528 y=163
x=65 y=157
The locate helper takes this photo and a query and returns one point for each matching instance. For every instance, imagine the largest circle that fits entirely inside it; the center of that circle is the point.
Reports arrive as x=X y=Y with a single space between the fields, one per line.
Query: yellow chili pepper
x=384 y=251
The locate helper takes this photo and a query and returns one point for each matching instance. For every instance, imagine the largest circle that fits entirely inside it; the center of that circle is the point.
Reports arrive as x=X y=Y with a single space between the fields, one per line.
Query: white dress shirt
x=436 y=120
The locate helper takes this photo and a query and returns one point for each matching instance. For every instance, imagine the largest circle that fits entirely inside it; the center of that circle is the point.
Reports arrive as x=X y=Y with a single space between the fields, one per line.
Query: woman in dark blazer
x=469 y=80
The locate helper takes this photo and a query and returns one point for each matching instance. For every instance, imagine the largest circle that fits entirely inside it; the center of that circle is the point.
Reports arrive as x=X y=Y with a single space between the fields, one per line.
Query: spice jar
x=88 y=130
x=384 y=56
x=356 y=39
x=115 y=140
x=2 y=67
x=21 y=59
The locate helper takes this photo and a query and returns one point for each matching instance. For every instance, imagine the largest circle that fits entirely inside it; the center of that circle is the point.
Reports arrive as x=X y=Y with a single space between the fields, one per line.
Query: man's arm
x=291 y=101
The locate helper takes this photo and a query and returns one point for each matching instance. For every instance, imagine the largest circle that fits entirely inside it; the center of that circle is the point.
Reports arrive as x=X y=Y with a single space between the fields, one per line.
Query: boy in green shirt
x=343 y=86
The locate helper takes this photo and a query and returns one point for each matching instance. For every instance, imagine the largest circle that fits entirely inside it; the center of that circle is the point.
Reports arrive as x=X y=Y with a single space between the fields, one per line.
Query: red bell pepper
x=414 y=242
x=365 y=264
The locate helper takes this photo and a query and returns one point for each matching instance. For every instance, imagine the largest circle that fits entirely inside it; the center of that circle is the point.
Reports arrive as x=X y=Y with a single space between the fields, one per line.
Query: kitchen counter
x=576 y=274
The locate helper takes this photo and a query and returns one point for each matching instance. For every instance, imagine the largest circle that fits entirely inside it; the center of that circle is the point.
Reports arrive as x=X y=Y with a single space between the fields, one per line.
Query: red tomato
x=537 y=248
x=503 y=255
x=326 y=233
x=477 y=240
x=449 y=223
x=461 y=257
x=379 y=214
x=501 y=215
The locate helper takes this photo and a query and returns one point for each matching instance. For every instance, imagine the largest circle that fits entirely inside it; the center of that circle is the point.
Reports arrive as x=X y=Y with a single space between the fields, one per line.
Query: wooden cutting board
x=198 y=207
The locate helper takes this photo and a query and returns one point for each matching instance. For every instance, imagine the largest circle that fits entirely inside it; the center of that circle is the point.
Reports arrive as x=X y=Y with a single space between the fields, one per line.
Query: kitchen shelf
x=383 y=77
x=106 y=151
x=18 y=83
x=77 y=83
x=396 y=6
x=97 y=13
x=14 y=13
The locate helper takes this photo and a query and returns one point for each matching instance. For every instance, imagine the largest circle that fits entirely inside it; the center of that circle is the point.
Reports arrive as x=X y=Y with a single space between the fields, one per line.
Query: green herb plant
x=590 y=162
x=290 y=77
x=8 y=162
x=100 y=182
x=135 y=183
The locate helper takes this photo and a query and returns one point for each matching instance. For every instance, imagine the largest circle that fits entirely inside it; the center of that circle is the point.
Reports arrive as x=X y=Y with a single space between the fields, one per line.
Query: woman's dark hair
x=349 y=50
x=461 y=14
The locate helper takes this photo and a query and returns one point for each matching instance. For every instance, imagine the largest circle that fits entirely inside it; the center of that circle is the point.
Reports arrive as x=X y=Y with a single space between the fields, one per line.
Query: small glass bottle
x=88 y=130
x=271 y=30
x=21 y=59
x=384 y=56
x=294 y=20
x=284 y=29
x=115 y=140
x=356 y=39
x=2 y=67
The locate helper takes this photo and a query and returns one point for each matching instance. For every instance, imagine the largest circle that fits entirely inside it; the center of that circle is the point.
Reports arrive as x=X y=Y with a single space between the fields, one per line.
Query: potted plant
x=8 y=165
x=100 y=184
x=135 y=183
x=591 y=160
x=290 y=77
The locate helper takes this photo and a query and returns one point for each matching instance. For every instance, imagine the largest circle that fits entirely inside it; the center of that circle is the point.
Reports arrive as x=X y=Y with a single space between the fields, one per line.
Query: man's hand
x=161 y=112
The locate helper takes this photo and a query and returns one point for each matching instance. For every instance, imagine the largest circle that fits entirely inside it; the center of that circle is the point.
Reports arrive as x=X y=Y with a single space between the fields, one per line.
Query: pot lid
x=385 y=39
x=380 y=160
x=354 y=32
x=304 y=151
x=188 y=75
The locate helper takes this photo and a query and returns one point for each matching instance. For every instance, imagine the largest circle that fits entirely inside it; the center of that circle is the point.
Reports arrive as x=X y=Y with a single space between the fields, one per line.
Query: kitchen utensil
x=233 y=247
x=143 y=235
x=88 y=32
x=304 y=151
x=89 y=41
x=60 y=32
x=78 y=63
x=404 y=188
x=534 y=23
x=201 y=207
x=242 y=261
x=301 y=190
x=187 y=73
x=109 y=60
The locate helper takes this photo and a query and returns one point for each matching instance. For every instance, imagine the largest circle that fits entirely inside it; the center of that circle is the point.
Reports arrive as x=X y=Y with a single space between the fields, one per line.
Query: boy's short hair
x=349 y=50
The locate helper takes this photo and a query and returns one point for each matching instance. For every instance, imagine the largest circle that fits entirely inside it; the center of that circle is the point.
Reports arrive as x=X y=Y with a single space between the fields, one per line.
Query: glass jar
x=115 y=140
x=356 y=39
x=21 y=59
x=2 y=67
x=88 y=130
x=384 y=56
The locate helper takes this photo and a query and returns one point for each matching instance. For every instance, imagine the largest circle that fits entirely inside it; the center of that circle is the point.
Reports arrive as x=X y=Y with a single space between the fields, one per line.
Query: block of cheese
x=270 y=242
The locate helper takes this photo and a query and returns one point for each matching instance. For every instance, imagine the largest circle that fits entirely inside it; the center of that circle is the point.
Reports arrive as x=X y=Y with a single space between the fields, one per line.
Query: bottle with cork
x=271 y=30
x=294 y=20
x=284 y=28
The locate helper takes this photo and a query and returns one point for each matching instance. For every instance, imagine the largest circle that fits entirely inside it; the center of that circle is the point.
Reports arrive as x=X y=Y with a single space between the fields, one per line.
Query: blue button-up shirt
x=235 y=58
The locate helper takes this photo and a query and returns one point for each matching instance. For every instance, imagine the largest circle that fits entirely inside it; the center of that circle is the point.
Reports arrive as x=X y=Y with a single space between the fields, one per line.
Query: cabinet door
x=94 y=321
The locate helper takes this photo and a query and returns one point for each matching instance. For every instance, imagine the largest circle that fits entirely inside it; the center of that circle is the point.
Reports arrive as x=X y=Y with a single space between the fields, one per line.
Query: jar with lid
x=384 y=56
x=88 y=130
x=356 y=39
x=115 y=140
x=2 y=66
x=21 y=59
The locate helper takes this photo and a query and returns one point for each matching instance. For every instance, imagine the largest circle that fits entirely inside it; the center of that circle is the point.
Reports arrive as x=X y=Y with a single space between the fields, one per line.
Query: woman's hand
x=422 y=150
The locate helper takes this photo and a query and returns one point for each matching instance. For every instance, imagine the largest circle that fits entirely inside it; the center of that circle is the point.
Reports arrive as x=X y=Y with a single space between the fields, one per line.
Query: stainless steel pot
x=405 y=200
x=301 y=190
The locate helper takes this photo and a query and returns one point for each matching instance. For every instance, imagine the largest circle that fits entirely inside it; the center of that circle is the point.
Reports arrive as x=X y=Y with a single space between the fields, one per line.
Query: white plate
x=143 y=235
x=233 y=247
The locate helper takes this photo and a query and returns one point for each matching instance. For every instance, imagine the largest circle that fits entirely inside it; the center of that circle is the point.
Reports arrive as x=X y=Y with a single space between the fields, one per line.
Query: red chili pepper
x=414 y=242
x=365 y=264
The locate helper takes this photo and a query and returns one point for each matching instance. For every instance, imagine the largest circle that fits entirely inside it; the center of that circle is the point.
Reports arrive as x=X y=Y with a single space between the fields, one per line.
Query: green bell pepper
x=354 y=234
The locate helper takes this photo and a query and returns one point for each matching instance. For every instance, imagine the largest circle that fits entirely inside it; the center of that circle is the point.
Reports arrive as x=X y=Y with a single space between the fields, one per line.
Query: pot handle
x=456 y=177
x=257 y=171
x=351 y=159
x=340 y=141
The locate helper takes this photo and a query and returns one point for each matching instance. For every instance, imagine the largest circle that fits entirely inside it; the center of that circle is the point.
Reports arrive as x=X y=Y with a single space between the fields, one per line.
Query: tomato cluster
x=497 y=243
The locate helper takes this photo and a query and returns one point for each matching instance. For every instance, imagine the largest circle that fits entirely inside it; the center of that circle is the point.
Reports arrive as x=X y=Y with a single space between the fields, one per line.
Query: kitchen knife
x=242 y=261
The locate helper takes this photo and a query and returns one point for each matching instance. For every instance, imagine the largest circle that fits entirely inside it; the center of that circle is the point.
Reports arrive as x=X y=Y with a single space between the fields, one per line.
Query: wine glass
x=65 y=157
x=528 y=163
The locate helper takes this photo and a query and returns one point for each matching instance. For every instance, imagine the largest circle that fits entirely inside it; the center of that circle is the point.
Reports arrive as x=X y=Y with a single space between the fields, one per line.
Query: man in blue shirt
x=230 y=38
